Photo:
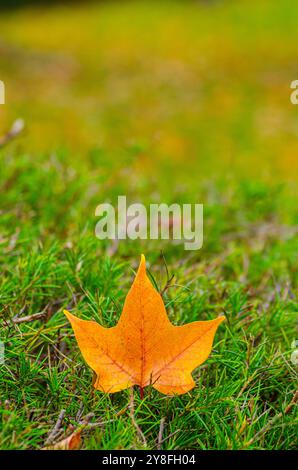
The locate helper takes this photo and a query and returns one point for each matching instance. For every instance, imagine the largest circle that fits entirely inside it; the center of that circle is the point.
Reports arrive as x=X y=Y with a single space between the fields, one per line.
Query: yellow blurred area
x=198 y=84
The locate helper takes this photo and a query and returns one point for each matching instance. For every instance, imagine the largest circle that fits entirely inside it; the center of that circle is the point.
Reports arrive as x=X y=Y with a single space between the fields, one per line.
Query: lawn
x=180 y=101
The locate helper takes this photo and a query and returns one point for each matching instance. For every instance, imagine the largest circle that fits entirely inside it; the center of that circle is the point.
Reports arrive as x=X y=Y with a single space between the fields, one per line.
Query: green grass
x=246 y=270
x=106 y=126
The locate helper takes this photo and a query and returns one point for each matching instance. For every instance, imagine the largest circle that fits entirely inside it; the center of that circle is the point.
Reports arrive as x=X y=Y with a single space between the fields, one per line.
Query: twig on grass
x=169 y=436
x=97 y=424
x=80 y=411
x=160 y=434
x=56 y=429
x=86 y=419
x=73 y=441
x=84 y=423
x=131 y=408
x=28 y=318
x=15 y=130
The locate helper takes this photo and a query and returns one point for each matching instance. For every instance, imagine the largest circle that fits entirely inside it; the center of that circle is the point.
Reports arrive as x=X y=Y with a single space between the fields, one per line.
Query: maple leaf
x=144 y=347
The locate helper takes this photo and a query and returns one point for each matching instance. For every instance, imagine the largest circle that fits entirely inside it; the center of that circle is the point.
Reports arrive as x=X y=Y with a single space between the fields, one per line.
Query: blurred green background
x=196 y=88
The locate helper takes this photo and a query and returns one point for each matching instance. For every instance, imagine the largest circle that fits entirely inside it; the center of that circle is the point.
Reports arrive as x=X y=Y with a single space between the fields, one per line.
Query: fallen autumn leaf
x=144 y=347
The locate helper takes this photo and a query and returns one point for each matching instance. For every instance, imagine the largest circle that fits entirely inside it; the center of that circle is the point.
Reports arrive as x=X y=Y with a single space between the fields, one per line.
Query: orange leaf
x=144 y=347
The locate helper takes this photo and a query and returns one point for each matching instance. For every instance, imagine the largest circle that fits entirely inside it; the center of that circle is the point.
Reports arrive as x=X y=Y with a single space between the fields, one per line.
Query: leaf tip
x=68 y=315
x=219 y=320
x=142 y=266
